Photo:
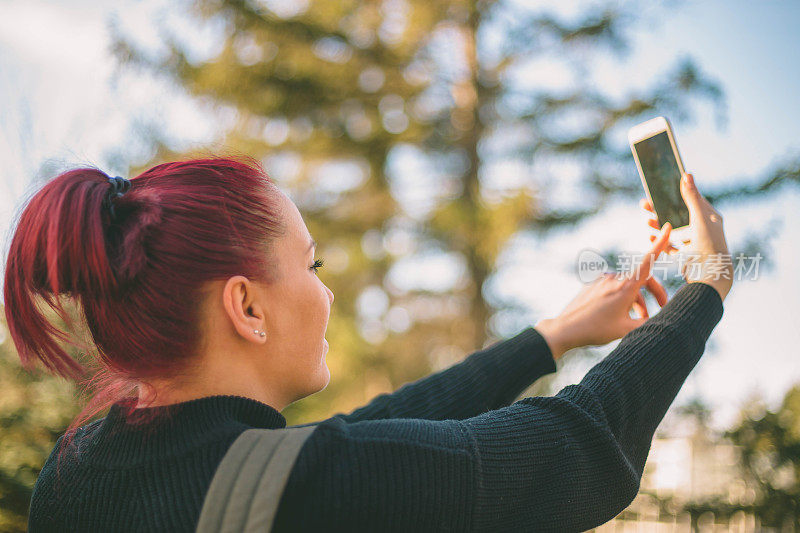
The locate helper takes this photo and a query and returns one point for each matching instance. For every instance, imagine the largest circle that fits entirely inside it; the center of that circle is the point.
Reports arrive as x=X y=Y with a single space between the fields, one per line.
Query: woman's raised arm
x=487 y=379
x=492 y=378
x=567 y=462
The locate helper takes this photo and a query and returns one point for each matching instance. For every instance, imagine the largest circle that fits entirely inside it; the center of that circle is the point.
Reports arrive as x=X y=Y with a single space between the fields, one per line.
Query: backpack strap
x=249 y=481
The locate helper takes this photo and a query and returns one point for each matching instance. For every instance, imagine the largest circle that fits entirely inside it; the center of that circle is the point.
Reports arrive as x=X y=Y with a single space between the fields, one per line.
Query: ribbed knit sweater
x=449 y=452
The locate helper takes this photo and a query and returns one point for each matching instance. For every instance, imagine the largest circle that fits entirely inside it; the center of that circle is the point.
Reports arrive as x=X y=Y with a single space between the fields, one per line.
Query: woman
x=200 y=291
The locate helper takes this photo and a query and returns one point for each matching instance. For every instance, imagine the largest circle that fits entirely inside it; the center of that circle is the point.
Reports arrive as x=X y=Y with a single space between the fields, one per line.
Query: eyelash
x=317 y=264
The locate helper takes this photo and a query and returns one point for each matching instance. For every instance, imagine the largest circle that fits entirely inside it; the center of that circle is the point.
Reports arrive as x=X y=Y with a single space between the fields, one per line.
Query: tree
x=334 y=97
x=768 y=466
x=35 y=408
x=339 y=92
x=769 y=442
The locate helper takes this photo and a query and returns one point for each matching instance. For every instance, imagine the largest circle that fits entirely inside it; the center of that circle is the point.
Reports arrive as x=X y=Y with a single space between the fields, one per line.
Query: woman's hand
x=708 y=259
x=601 y=311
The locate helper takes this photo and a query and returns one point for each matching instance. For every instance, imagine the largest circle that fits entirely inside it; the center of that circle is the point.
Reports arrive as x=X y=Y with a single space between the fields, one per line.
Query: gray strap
x=247 y=486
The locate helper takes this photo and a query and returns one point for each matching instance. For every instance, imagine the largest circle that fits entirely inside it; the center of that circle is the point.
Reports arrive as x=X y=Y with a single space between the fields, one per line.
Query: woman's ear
x=241 y=306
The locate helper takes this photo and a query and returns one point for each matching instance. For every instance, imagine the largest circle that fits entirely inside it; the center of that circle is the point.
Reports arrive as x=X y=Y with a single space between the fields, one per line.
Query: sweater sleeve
x=568 y=462
x=487 y=379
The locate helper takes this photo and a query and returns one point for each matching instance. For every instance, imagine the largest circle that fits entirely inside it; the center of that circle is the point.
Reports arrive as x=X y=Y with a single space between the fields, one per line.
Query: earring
x=259 y=333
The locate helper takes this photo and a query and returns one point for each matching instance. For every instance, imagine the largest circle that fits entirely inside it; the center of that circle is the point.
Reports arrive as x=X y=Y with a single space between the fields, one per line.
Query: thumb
x=691 y=195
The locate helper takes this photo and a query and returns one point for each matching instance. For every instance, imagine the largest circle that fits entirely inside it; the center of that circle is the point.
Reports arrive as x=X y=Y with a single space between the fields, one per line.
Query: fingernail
x=690 y=179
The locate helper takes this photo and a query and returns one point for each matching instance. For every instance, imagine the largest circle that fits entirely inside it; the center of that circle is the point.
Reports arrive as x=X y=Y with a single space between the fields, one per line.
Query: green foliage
x=35 y=409
x=327 y=98
x=768 y=448
x=356 y=83
x=770 y=453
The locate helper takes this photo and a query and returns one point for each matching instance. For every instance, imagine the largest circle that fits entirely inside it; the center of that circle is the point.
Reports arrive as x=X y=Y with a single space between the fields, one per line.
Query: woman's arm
x=598 y=315
x=494 y=377
x=487 y=379
x=563 y=463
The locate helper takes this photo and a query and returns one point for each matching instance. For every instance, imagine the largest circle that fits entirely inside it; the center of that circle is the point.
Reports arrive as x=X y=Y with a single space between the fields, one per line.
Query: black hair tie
x=119 y=186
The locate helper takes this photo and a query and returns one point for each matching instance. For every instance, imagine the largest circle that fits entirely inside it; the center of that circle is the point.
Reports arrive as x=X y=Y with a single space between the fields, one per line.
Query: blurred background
x=452 y=158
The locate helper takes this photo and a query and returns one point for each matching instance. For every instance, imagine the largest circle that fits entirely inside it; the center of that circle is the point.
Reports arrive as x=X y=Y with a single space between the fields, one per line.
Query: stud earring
x=261 y=333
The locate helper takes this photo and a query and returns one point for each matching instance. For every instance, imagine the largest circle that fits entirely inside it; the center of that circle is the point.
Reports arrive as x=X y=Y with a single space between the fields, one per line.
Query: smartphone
x=660 y=167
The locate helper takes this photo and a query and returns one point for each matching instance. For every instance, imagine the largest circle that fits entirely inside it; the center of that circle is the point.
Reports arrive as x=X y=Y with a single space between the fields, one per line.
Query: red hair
x=138 y=279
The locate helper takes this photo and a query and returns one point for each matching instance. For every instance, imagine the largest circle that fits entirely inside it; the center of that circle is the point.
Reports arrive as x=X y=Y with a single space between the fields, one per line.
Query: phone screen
x=663 y=176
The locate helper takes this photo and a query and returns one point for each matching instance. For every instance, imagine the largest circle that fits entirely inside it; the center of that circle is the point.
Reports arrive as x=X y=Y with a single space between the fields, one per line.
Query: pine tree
x=331 y=95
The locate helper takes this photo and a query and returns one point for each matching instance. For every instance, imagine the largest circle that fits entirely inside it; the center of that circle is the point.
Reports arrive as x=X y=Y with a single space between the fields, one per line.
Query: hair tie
x=119 y=186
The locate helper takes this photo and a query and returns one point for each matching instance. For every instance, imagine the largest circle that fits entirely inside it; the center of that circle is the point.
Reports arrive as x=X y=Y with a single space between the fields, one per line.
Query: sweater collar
x=127 y=434
x=206 y=412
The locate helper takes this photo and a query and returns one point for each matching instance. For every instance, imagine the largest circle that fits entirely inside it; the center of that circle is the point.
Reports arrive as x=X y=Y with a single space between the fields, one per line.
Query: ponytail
x=139 y=276
x=58 y=249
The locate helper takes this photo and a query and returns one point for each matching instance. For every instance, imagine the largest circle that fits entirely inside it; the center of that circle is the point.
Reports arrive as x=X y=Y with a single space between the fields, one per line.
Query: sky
x=64 y=102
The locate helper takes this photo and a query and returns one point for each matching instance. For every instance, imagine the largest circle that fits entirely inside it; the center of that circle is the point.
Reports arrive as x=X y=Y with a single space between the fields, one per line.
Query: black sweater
x=444 y=453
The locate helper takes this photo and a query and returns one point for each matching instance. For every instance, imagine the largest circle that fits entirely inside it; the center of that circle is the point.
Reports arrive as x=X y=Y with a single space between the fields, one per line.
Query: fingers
x=642 y=271
x=670 y=248
x=703 y=207
x=691 y=196
x=657 y=290
x=640 y=306
x=653 y=222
